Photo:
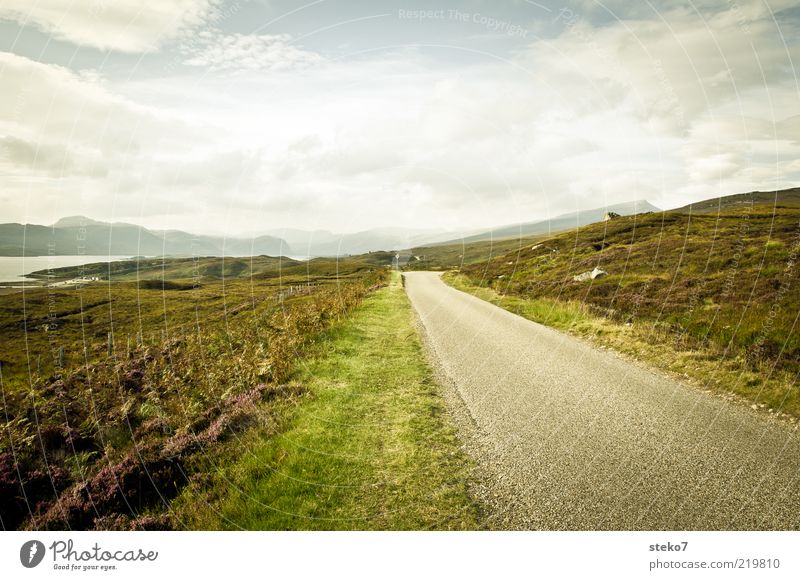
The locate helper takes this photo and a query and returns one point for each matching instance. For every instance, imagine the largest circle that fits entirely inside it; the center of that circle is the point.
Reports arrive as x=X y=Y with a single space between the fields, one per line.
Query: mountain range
x=566 y=221
x=77 y=235
x=81 y=235
x=325 y=243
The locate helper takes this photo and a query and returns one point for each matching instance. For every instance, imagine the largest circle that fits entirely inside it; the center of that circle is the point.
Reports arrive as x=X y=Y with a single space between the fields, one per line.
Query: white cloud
x=70 y=144
x=123 y=25
x=670 y=111
x=216 y=51
x=18 y=155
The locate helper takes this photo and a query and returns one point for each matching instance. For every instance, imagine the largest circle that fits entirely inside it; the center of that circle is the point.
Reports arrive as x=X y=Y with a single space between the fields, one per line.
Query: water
x=14 y=269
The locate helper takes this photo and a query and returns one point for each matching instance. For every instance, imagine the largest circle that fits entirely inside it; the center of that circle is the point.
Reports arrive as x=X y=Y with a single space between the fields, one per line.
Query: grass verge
x=370 y=448
x=650 y=343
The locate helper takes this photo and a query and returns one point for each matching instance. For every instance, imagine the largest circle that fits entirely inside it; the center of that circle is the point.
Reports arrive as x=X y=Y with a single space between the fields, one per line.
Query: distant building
x=610 y=215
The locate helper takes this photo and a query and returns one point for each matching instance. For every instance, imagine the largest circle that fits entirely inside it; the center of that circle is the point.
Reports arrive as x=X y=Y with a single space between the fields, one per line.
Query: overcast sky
x=249 y=115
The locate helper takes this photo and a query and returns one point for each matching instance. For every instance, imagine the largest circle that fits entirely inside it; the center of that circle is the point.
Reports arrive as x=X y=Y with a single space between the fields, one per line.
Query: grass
x=444 y=257
x=371 y=448
x=560 y=314
x=210 y=268
x=113 y=393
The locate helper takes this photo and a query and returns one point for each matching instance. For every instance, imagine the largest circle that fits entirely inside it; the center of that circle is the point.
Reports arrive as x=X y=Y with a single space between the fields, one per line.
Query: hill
x=558 y=223
x=199 y=270
x=325 y=243
x=79 y=235
x=780 y=198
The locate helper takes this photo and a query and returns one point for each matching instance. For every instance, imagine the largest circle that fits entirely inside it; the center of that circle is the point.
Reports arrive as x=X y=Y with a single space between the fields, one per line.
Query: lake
x=14 y=269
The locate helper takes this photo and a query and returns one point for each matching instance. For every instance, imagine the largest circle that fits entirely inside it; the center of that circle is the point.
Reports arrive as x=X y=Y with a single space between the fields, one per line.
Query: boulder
x=582 y=277
x=590 y=275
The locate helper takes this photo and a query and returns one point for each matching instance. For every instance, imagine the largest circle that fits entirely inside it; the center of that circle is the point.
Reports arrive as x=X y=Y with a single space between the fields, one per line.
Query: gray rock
x=584 y=276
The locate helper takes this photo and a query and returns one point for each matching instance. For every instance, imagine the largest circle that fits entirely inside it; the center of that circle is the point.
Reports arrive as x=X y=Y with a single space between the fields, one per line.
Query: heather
x=116 y=393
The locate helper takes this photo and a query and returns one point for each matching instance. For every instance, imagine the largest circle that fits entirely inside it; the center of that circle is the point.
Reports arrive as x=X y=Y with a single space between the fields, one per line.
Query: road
x=566 y=436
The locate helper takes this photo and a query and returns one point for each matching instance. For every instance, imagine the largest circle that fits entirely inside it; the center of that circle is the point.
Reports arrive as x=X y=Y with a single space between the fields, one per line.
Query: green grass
x=556 y=313
x=444 y=257
x=370 y=449
x=209 y=269
x=117 y=391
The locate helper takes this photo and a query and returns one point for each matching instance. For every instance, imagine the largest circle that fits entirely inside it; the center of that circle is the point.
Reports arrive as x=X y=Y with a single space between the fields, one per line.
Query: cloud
x=43 y=158
x=671 y=107
x=47 y=104
x=670 y=69
x=70 y=144
x=123 y=25
x=246 y=52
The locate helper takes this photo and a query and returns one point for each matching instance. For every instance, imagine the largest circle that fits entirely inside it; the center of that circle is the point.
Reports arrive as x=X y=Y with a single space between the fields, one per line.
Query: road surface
x=566 y=436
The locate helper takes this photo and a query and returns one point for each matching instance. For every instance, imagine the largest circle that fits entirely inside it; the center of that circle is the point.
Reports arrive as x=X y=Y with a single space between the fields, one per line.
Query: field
x=113 y=392
x=444 y=257
x=371 y=447
x=713 y=295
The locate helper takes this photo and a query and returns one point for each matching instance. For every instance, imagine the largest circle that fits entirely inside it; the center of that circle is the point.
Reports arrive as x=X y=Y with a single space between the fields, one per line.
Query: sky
x=245 y=116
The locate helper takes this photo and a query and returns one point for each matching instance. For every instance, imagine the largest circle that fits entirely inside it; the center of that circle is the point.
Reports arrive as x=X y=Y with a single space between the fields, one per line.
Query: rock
x=596 y=273
x=754 y=407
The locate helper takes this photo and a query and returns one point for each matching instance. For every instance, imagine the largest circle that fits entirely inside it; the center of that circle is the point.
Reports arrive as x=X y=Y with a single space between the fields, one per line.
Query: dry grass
x=113 y=393
x=372 y=448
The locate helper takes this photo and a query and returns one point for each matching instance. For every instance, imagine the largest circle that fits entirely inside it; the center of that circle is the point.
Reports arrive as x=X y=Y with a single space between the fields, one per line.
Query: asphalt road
x=566 y=436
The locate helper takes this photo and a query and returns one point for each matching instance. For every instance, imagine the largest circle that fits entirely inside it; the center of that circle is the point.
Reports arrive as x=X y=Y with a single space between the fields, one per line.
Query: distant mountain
x=120 y=239
x=79 y=235
x=782 y=197
x=302 y=240
x=77 y=221
x=559 y=223
x=325 y=243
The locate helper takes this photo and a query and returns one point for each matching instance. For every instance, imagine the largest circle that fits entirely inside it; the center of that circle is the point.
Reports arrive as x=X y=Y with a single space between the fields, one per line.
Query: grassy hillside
x=721 y=285
x=114 y=392
x=474 y=249
x=562 y=222
x=200 y=269
x=461 y=254
x=781 y=199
